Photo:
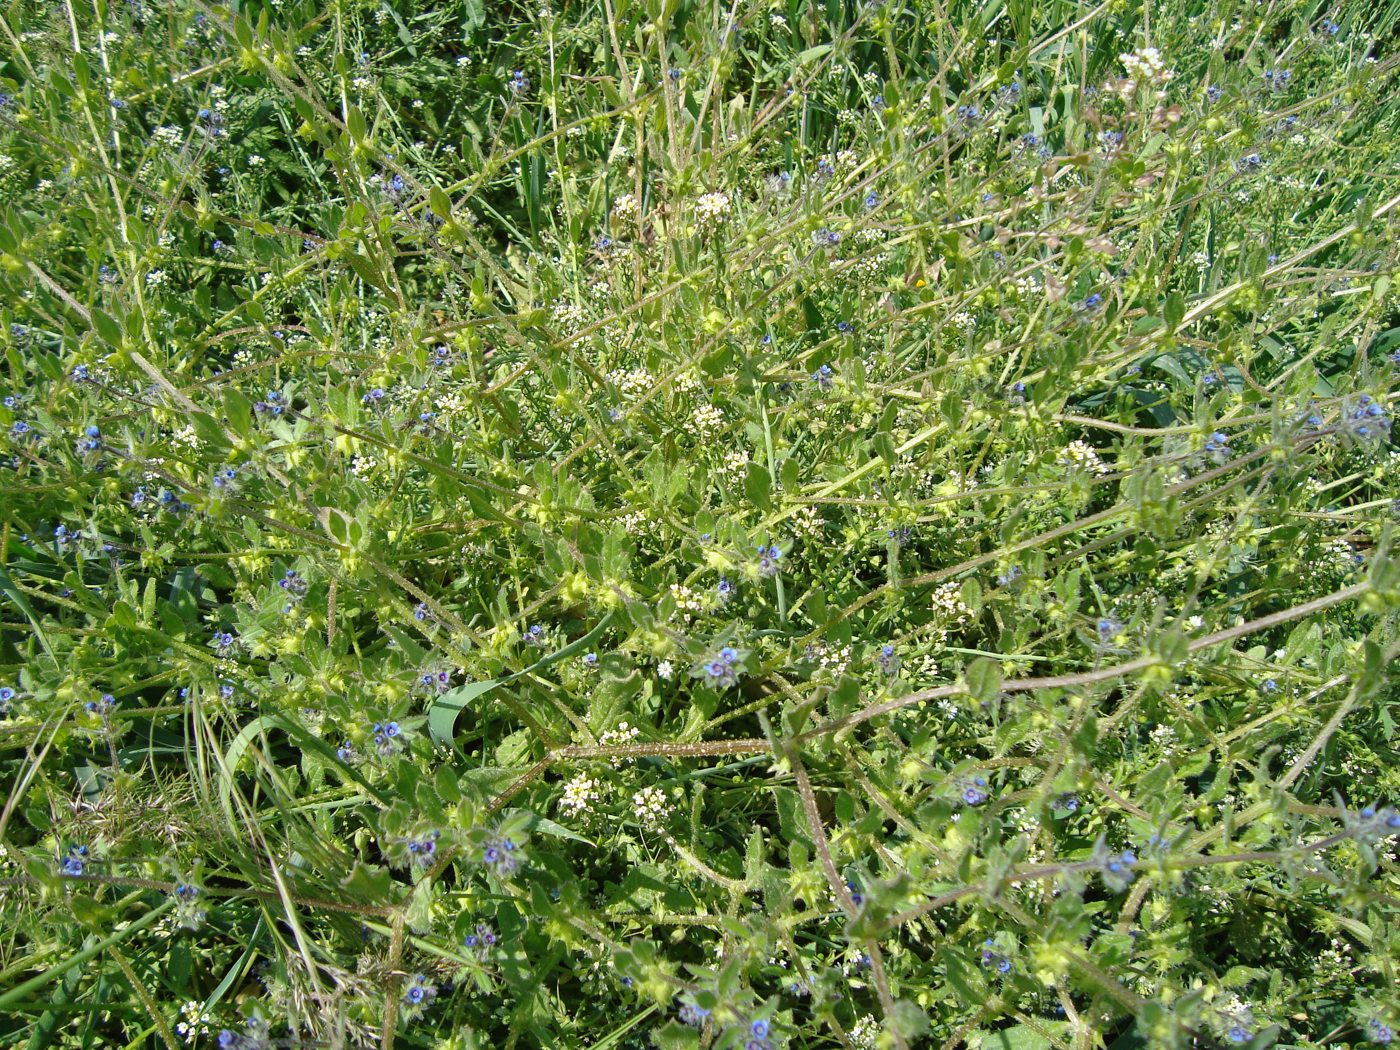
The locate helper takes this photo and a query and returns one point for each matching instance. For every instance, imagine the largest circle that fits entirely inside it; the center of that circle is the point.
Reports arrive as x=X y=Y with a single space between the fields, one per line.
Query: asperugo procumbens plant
x=690 y=525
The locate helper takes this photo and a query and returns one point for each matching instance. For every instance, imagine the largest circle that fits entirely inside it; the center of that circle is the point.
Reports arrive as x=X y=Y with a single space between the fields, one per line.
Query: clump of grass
x=698 y=526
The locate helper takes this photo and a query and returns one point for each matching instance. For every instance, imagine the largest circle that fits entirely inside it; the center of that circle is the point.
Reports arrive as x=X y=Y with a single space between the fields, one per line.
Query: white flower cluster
x=1080 y=455
x=622 y=735
x=1145 y=65
x=169 y=136
x=713 y=208
x=195 y=1021
x=706 y=422
x=1164 y=736
x=568 y=316
x=735 y=465
x=833 y=659
x=651 y=806
x=579 y=795
x=947 y=599
x=864 y=1032
x=688 y=601
x=807 y=521
x=625 y=207
x=633 y=383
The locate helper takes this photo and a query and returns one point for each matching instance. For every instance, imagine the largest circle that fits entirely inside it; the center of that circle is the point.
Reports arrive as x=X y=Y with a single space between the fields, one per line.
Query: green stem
x=19 y=991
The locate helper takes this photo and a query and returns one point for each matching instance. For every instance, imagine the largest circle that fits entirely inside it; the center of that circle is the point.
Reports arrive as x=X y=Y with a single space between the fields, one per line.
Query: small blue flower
x=501 y=857
x=420 y=991
x=974 y=794
x=74 y=862
x=692 y=1015
x=822 y=377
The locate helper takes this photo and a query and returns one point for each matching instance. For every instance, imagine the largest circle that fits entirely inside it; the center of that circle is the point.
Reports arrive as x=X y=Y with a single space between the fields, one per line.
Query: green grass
x=686 y=525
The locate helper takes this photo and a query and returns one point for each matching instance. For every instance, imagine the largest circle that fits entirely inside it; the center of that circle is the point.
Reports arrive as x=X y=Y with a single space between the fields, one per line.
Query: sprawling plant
x=700 y=526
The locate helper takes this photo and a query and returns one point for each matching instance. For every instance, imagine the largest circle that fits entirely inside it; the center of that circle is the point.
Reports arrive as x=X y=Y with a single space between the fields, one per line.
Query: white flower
x=712 y=208
x=651 y=806
x=1145 y=64
x=579 y=795
x=864 y=1031
x=664 y=669
x=625 y=207
x=706 y=421
x=1080 y=455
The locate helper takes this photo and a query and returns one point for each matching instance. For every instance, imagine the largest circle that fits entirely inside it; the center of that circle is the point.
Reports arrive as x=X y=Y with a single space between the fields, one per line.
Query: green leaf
x=368 y=882
x=440 y=203
x=758 y=485
x=442 y=716
x=107 y=328
x=1174 y=310
x=984 y=678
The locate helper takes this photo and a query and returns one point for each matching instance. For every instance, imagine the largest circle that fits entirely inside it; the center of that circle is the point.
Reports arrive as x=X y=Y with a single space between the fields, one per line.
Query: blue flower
x=501 y=857
x=420 y=991
x=74 y=861
x=993 y=958
x=423 y=850
x=1379 y=1032
x=822 y=377
x=692 y=1014
x=974 y=794
x=768 y=557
